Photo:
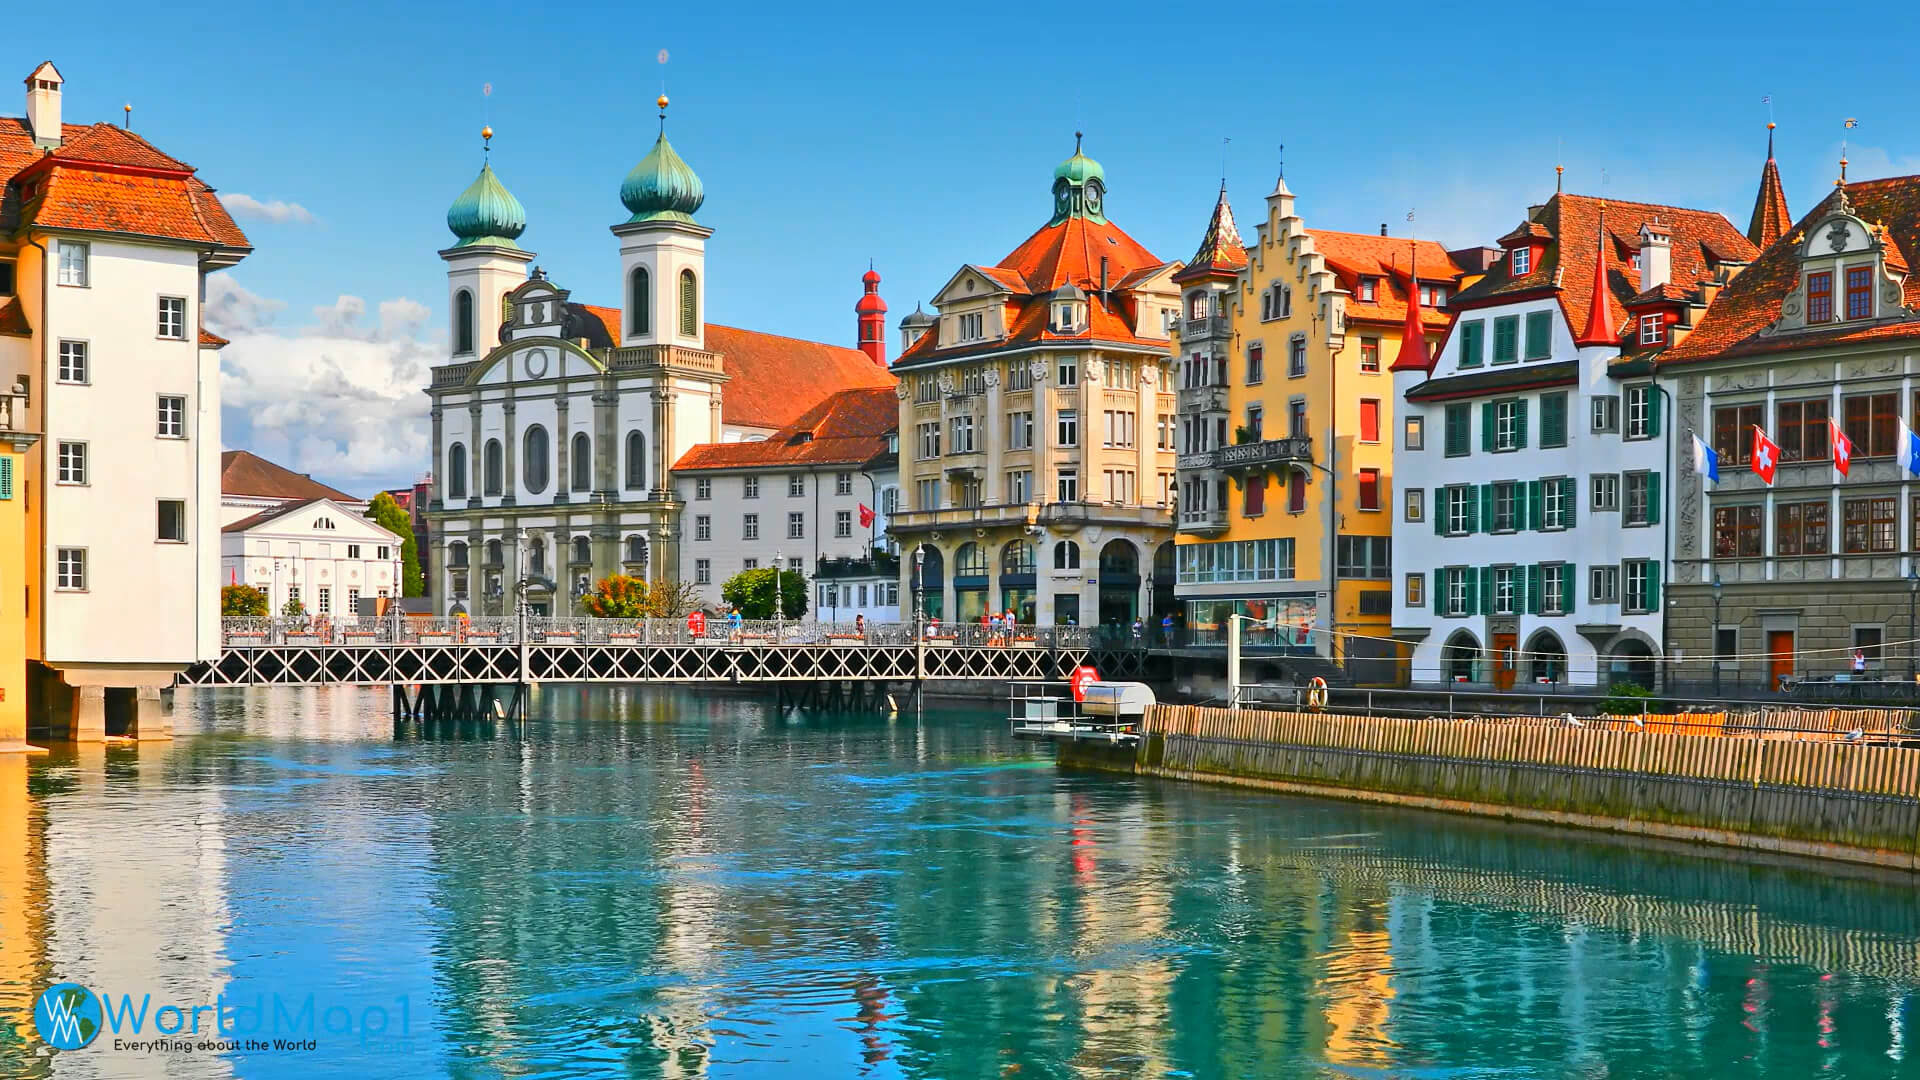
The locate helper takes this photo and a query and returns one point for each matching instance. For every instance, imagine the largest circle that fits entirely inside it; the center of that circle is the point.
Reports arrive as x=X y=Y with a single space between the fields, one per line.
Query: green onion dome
x=1079 y=168
x=662 y=187
x=487 y=213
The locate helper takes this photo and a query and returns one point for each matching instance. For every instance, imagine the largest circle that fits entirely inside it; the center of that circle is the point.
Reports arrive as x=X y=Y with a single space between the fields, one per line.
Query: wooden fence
x=1811 y=795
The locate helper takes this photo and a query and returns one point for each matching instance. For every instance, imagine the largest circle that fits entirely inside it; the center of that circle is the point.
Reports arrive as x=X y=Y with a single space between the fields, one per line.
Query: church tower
x=663 y=251
x=873 y=318
x=485 y=263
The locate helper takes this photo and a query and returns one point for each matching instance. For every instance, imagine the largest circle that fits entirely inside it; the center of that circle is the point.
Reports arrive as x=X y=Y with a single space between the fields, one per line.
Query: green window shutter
x=1536 y=506
x=1553 y=420
x=1653 y=585
x=1486 y=427
x=1534 y=593
x=1539 y=335
x=1472 y=341
x=1470 y=577
x=1441 y=511
x=1653 y=411
x=1486 y=590
x=1486 y=507
x=1653 y=498
x=6 y=476
x=1520 y=425
x=1570 y=500
x=1505 y=348
x=1459 y=430
x=1568 y=576
x=1471 y=494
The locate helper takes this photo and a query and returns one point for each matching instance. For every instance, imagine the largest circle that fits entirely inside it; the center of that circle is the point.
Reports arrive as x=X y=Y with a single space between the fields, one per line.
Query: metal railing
x=322 y=630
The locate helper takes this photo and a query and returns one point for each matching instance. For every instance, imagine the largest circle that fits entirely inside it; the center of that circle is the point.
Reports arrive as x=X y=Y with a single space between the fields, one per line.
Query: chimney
x=872 y=314
x=1383 y=228
x=43 y=105
x=1656 y=255
x=1103 y=279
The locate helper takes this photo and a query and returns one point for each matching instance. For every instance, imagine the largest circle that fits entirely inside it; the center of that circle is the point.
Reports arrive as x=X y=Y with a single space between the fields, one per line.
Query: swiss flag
x=866 y=516
x=1766 y=455
x=1842 y=447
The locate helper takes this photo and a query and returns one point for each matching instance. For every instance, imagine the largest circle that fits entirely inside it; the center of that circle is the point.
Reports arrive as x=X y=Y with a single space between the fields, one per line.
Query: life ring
x=1316 y=693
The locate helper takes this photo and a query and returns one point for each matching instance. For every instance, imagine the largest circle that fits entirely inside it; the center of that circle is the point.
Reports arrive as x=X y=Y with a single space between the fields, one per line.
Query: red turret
x=1600 y=326
x=873 y=319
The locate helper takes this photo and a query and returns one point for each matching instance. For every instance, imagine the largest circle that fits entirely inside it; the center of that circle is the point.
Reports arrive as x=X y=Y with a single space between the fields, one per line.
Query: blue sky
x=919 y=140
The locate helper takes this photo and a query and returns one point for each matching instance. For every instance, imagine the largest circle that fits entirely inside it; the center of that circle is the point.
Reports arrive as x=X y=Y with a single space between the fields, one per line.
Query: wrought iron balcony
x=1294 y=449
x=1205 y=459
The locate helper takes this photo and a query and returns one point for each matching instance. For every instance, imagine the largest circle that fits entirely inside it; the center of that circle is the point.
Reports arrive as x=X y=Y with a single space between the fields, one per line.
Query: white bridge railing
x=348 y=631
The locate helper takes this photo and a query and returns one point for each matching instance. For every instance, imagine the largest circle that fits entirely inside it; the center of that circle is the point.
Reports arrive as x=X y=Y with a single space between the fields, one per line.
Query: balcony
x=1203 y=522
x=1021 y=514
x=669 y=356
x=1214 y=326
x=1064 y=516
x=1202 y=399
x=1068 y=516
x=1205 y=459
x=1254 y=456
x=452 y=374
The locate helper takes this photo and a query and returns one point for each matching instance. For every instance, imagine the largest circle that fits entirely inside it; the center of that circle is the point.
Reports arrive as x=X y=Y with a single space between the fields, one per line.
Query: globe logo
x=67 y=1016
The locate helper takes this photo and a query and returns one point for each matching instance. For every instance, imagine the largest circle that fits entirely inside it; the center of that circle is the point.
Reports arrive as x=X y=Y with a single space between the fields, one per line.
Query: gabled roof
x=1352 y=256
x=273 y=513
x=1751 y=303
x=245 y=473
x=1570 y=224
x=104 y=178
x=1070 y=252
x=772 y=380
x=848 y=428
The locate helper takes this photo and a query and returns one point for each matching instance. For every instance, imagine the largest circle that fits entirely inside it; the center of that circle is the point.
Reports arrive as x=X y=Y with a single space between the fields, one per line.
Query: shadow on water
x=678 y=884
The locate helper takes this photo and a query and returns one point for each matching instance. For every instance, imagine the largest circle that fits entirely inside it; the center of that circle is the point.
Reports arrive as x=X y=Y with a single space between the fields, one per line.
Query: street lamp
x=920 y=553
x=779 y=597
x=1716 y=634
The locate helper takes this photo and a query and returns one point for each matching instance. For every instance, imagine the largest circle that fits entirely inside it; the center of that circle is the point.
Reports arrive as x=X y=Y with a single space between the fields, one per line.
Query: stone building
x=1821 y=331
x=1036 y=424
x=556 y=423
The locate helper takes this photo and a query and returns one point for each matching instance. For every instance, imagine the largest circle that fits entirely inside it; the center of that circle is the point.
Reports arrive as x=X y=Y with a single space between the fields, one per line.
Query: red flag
x=1766 y=455
x=866 y=516
x=1842 y=447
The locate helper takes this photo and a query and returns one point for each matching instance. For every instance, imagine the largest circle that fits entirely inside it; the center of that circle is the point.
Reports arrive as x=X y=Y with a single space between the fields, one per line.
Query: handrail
x=345 y=630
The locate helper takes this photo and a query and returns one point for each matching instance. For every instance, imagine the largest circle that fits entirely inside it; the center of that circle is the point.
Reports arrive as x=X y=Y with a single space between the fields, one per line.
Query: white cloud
x=339 y=399
x=274 y=210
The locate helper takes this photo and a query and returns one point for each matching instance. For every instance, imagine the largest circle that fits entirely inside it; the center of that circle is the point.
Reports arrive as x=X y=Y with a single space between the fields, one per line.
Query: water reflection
x=676 y=886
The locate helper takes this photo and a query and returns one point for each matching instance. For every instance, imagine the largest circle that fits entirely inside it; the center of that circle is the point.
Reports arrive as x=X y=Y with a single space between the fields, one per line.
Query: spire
x=1413 y=355
x=1600 y=330
x=1770 y=217
x=872 y=318
x=1221 y=251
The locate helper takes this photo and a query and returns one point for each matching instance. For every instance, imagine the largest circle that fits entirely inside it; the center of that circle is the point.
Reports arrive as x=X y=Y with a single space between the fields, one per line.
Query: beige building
x=1037 y=427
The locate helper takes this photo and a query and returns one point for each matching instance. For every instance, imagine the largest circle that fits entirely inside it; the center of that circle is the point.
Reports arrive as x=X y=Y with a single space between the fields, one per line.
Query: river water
x=671 y=885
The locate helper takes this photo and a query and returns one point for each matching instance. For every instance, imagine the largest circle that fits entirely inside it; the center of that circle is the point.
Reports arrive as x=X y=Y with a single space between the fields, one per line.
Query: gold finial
x=486 y=134
x=1769 y=125
x=662 y=102
x=127 y=109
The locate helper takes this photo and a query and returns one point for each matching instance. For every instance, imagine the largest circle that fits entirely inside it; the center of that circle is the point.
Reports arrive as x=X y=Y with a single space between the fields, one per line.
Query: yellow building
x=16 y=572
x=1286 y=425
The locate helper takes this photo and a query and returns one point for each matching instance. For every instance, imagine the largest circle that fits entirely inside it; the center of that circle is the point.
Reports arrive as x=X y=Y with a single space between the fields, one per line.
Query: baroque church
x=556 y=423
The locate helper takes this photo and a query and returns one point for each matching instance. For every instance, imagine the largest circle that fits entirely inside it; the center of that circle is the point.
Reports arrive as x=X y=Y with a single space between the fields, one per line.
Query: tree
x=293 y=606
x=242 y=601
x=387 y=514
x=752 y=592
x=623 y=597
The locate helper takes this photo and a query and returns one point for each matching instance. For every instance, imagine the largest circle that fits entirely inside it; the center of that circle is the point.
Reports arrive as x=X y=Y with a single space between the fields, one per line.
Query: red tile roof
x=1701 y=240
x=210 y=340
x=107 y=179
x=1069 y=253
x=1220 y=254
x=775 y=379
x=1352 y=256
x=1770 y=216
x=1751 y=303
x=13 y=317
x=246 y=473
x=848 y=428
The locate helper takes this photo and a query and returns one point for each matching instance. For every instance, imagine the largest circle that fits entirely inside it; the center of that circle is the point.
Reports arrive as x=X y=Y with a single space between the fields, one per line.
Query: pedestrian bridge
x=411 y=651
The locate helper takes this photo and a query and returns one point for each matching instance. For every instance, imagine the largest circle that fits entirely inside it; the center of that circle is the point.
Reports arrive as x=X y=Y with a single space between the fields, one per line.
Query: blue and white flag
x=1705 y=461
x=1907 y=446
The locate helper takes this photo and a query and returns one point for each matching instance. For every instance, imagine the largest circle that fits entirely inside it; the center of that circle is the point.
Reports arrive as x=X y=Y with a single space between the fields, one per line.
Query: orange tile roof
x=773 y=380
x=107 y=179
x=1070 y=252
x=1701 y=239
x=1356 y=255
x=1751 y=303
x=848 y=428
x=209 y=340
x=1221 y=253
x=245 y=473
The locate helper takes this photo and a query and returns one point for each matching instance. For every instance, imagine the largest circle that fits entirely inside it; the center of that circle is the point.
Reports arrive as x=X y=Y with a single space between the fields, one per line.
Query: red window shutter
x=1297 y=492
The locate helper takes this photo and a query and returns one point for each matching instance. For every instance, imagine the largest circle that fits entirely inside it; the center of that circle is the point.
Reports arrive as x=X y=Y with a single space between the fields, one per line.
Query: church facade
x=556 y=423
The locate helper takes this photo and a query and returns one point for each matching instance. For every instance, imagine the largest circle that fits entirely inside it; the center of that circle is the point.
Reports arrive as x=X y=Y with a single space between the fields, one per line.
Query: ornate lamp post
x=919 y=554
x=779 y=597
x=1716 y=634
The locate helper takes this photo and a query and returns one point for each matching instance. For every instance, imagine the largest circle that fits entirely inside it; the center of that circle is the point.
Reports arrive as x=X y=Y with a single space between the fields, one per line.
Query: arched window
x=1066 y=555
x=496 y=555
x=537 y=556
x=456 y=487
x=1016 y=558
x=582 y=463
x=493 y=468
x=534 y=446
x=636 y=548
x=970 y=561
x=636 y=461
x=463 y=321
x=457 y=554
x=582 y=551
x=639 y=302
x=689 y=305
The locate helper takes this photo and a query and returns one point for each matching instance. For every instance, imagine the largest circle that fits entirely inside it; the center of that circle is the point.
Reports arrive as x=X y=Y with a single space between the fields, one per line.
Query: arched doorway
x=1119 y=583
x=1630 y=660
x=1460 y=658
x=1163 y=582
x=929 y=581
x=969 y=583
x=1546 y=658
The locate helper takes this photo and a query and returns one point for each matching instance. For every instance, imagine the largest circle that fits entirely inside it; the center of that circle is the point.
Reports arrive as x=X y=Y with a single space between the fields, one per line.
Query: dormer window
x=1433 y=295
x=1653 y=330
x=1820 y=297
x=1066 y=316
x=1368 y=287
x=1859 y=292
x=973 y=326
x=1521 y=261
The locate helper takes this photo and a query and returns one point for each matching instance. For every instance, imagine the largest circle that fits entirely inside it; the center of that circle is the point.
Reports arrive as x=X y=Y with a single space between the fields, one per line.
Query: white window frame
x=842 y=524
x=1603 y=585
x=74 y=355
x=171 y=322
x=1504 y=590
x=1068 y=427
x=74 y=475
x=703 y=487
x=843 y=483
x=1067 y=370
x=702 y=572
x=1553 y=504
x=796 y=485
x=1459 y=510
x=1416 y=504
x=702 y=527
x=1603 y=492
x=796 y=525
x=750 y=487
x=1520 y=263
x=1455 y=582
x=1067 y=485
x=76 y=272
x=1603 y=414
x=1653 y=330
x=1637 y=404
x=1553 y=600
x=1632 y=601
x=1506 y=425
x=172 y=426
x=70 y=569
x=749 y=526
x=1020 y=430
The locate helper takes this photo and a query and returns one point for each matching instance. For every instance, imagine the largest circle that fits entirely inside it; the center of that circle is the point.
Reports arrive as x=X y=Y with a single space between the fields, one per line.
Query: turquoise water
x=667 y=885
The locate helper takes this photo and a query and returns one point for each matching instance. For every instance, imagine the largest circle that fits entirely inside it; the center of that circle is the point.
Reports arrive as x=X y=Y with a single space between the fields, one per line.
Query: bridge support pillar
x=150 y=720
x=89 y=723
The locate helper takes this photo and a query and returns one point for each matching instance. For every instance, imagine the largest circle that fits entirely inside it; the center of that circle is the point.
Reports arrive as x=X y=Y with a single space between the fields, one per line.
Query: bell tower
x=872 y=312
x=663 y=251
x=486 y=262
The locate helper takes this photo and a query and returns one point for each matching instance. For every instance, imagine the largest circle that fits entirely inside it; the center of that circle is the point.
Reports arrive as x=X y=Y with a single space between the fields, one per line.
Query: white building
x=314 y=551
x=105 y=244
x=250 y=484
x=554 y=428
x=1532 y=458
x=813 y=497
